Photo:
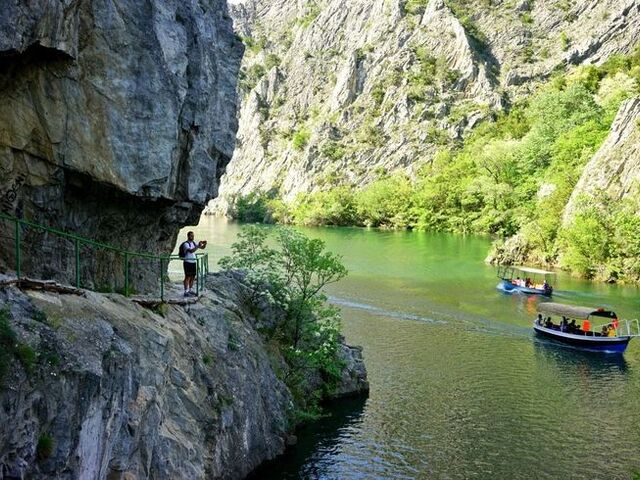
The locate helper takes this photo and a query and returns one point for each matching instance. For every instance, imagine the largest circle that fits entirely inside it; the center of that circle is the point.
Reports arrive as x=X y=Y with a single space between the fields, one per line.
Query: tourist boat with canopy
x=592 y=329
x=525 y=280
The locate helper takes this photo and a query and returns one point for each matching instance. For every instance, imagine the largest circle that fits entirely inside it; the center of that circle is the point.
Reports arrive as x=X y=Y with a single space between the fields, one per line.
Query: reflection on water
x=319 y=445
x=576 y=361
x=460 y=386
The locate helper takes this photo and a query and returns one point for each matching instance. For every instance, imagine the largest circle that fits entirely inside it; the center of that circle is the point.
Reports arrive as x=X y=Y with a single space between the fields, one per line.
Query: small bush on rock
x=292 y=276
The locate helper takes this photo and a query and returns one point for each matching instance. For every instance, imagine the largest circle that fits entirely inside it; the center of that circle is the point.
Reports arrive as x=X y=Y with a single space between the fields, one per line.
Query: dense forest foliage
x=512 y=175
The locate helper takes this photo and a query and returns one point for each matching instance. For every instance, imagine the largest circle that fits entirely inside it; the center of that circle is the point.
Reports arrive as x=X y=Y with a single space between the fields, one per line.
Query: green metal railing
x=202 y=259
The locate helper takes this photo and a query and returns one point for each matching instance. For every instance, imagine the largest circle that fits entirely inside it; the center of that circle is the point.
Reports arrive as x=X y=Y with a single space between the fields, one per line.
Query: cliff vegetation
x=513 y=174
x=479 y=116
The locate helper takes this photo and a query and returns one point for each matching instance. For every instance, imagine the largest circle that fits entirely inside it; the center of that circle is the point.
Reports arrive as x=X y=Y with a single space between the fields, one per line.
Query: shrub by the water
x=251 y=208
x=292 y=276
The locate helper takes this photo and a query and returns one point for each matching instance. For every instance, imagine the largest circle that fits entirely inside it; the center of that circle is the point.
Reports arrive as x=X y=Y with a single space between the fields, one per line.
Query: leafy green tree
x=306 y=269
x=585 y=242
x=386 y=202
x=330 y=207
x=613 y=90
x=292 y=276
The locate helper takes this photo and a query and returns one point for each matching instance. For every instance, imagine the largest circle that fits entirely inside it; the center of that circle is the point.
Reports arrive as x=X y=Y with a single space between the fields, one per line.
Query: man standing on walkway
x=187 y=252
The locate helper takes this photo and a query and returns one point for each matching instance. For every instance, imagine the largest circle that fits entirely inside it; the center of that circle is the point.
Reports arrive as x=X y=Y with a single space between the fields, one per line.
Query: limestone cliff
x=608 y=180
x=116 y=121
x=337 y=92
x=101 y=388
x=615 y=168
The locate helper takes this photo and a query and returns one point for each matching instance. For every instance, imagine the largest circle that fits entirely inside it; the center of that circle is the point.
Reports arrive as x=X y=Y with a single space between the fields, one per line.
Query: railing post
x=201 y=276
x=18 y=248
x=202 y=262
x=198 y=275
x=77 y=251
x=126 y=274
x=161 y=279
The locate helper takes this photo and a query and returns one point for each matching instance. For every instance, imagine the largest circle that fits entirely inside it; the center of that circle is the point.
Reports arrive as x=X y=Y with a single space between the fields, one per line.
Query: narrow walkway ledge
x=173 y=295
x=33 y=284
x=150 y=302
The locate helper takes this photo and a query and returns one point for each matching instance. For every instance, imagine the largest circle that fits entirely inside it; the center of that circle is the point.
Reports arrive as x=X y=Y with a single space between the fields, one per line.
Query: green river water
x=460 y=387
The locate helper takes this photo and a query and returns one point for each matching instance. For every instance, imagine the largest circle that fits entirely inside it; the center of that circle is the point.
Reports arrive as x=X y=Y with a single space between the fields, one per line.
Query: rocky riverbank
x=96 y=386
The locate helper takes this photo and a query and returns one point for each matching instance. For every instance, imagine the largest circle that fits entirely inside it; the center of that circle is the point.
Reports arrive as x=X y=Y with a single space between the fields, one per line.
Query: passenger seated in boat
x=540 y=320
x=564 y=325
x=572 y=326
x=612 y=331
x=605 y=331
x=548 y=323
x=527 y=282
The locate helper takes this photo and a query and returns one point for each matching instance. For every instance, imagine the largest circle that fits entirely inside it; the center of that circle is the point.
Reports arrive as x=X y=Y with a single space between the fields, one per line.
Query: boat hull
x=507 y=286
x=583 y=342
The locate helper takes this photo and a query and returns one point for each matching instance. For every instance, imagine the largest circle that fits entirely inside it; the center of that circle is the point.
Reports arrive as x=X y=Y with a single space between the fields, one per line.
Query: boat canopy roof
x=572 y=311
x=533 y=270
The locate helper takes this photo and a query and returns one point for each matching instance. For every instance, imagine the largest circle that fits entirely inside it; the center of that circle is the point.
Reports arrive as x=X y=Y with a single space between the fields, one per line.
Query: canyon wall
x=94 y=386
x=341 y=93
x=117 y=120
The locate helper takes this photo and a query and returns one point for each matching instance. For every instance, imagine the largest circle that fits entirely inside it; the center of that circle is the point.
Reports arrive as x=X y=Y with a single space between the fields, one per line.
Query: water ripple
x=381 y=311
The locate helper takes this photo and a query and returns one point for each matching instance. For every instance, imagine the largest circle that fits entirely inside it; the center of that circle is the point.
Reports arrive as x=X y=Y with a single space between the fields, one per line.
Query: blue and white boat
x=525 y=280
x=591 y=329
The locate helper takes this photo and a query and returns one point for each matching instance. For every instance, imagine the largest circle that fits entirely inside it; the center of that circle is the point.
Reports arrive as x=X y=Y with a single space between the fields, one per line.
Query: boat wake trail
x=381 y=311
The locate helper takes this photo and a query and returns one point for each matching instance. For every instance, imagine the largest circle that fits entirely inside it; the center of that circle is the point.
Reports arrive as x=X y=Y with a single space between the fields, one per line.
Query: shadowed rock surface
x=117 y=120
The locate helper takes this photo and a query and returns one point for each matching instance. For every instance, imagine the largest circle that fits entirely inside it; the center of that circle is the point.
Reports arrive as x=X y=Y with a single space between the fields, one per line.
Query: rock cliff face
x=612 y=175
x=115 y=391
x=615 y=168
x=116 y=119
x=338 y=92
